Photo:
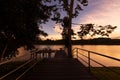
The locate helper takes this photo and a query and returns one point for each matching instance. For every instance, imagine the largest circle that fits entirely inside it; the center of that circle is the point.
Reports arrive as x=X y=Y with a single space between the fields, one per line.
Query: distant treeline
x=97 y=41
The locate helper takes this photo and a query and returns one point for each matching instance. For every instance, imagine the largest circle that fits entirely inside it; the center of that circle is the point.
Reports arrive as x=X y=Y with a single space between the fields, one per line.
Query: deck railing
x=25 y=67
x=87 y=59
x=34 y=58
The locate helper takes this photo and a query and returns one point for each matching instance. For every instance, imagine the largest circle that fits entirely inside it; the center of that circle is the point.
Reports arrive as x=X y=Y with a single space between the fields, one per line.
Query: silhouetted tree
x=71 y=11
x=19 y=20
x=94 y=30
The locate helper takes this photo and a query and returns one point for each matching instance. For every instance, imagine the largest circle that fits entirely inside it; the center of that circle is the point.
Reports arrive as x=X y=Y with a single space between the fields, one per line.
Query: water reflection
x=113 y=50
x=25 y=55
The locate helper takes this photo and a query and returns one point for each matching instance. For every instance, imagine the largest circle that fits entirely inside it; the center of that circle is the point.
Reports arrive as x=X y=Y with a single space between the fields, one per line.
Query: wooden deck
x=59 y=68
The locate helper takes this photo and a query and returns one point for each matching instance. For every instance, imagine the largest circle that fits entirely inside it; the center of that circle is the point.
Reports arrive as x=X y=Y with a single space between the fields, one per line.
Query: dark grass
x=105 y=74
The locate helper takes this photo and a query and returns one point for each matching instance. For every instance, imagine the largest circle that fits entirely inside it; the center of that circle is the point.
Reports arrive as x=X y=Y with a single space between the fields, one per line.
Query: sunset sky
x=99 y=12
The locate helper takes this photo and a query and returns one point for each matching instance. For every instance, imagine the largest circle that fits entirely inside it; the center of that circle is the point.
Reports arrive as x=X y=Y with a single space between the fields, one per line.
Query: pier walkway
x=55 y=65
x=58 y=68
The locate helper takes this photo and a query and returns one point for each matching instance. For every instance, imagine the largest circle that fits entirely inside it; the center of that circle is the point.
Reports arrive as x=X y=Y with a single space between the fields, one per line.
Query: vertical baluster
x=89 y=61
x=77 y=53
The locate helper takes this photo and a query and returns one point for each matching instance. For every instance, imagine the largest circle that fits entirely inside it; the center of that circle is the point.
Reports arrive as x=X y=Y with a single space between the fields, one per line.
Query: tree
x=94 y=30
x=19 y=21
x=71 y=13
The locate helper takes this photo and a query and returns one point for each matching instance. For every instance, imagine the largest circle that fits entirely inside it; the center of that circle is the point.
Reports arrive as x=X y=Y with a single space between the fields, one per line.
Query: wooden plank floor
x=59 y=68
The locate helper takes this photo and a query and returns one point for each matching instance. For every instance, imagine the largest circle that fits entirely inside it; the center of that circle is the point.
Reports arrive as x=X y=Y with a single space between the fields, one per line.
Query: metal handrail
x=90 y=59
x=99 y=54
x=26 y=71
x=16 y=69
x=100 y=64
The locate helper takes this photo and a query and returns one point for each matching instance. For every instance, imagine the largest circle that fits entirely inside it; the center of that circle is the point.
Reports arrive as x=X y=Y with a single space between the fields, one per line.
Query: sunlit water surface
x=112 y=50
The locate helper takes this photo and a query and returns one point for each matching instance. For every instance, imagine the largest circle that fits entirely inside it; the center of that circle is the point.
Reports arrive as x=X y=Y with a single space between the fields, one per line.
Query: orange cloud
x=54 y=37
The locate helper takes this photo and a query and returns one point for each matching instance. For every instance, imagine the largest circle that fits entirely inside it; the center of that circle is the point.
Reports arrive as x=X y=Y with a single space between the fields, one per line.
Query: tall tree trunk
x=69 y=30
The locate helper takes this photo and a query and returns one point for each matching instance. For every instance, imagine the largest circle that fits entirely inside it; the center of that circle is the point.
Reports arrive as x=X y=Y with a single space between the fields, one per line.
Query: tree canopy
x=95 y=30
x=19 y=21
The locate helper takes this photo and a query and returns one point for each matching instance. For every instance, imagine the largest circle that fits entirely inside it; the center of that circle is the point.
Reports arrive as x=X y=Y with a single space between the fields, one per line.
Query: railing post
x=77 y=53
x=89 y=61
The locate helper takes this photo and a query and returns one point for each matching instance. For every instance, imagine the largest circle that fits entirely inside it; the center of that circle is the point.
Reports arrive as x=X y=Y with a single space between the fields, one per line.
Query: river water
x=112 y=50
x=109 y=50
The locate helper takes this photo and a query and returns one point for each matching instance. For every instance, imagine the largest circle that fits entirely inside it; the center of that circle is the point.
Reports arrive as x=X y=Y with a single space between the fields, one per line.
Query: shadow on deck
x=59 y=68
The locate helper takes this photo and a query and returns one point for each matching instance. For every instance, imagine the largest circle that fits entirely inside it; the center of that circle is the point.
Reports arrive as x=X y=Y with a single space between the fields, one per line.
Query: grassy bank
x=105 y=74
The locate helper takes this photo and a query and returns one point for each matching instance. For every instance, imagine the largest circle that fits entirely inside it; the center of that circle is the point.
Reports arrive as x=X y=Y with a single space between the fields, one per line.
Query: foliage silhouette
x=19 y=23
x=20 y=20
x=94 y=30
x=65 y=19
